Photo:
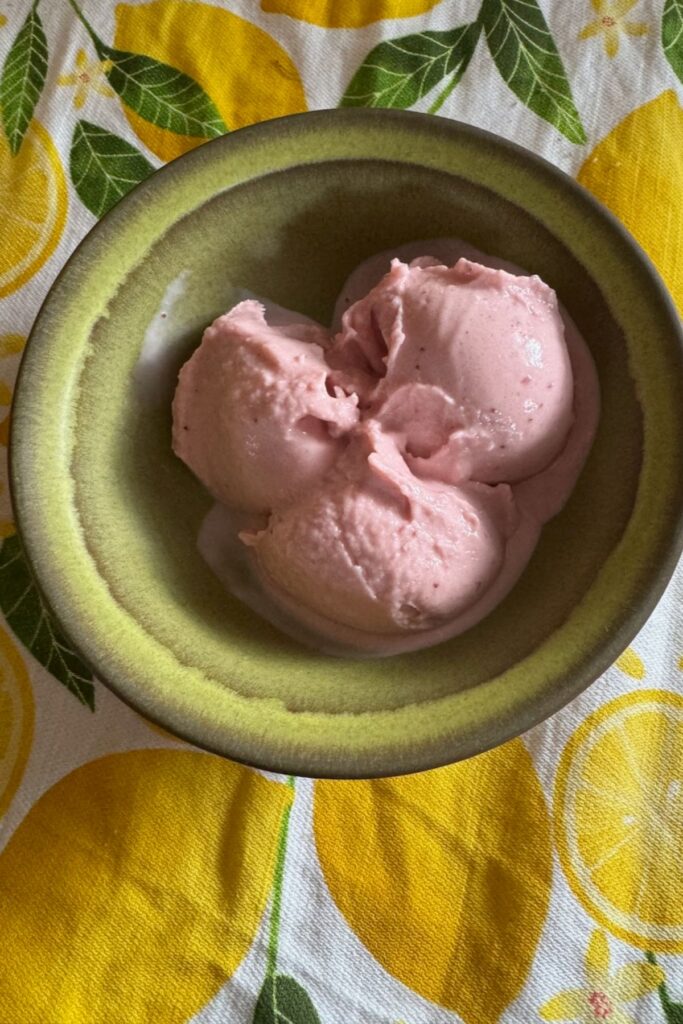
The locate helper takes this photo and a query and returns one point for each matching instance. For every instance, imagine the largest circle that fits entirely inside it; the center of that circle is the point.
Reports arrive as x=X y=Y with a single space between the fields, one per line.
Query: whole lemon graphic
x=124 y=894
x=444 y=876
x=637 y=171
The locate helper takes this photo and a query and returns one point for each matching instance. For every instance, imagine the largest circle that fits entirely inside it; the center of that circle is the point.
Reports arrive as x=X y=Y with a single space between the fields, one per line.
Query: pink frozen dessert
x=253 y=417
x=469 y=364
x=395 y=476
x=393 y=553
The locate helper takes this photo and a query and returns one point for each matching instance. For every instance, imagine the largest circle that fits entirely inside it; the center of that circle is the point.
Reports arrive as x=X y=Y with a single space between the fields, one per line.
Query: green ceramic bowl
x=109 y=516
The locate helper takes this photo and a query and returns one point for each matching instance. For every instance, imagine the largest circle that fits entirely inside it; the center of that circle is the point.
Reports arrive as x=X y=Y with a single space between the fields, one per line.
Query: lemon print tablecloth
x=145 y=882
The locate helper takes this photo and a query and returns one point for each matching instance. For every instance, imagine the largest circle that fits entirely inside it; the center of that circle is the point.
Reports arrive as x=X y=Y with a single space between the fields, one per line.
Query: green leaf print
x=104 y=167
x=525 y=54
x=283 y=1001
x=399 y=72
x=161 y=94
x=23 y=78
x=25 y=612
x=672 y=35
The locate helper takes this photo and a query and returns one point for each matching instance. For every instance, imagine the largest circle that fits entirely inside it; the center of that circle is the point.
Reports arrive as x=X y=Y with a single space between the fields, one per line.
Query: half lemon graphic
x=32 y=207
x=619 y=817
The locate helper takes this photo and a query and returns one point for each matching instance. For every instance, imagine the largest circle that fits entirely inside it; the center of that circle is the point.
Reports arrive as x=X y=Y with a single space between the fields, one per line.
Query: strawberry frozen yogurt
x=439 y=547
x=253 y=417
x=388 y=483
x=479 y=359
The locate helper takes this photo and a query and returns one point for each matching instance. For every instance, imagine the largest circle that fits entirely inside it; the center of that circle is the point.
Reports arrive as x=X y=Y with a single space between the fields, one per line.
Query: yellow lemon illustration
x=619 y=817
x=245 y=72
x=631 y=664
x=136 y=886
x=11 y=347
x=347 y=13
x=444 y=876
x=32 y=206
x=638 y=172
x=16 y=719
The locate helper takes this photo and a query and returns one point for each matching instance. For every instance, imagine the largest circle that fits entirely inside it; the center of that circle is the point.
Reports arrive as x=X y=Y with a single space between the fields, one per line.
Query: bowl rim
x=522 y=717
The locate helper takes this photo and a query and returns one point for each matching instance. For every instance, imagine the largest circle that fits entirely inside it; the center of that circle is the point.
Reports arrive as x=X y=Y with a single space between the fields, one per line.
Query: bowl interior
x=129 y=583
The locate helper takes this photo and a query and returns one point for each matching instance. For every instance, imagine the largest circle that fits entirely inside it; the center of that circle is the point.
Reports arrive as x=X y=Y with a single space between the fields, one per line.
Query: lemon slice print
x=444 y=876
x=32 y=206
x=16 y=719
x=132 y=900
x=246 y=73
x=347 y=13
x=619 y=817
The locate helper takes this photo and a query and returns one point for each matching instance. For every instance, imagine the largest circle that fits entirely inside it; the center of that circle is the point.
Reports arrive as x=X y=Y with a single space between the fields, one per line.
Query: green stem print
x=468 y=42
x=81 y=18
x=673 y=1012
x=282 y=1000
x=278 y=878
x=400 y=72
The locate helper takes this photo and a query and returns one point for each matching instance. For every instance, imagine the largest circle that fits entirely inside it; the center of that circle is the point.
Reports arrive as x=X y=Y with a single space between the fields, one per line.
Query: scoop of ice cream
x=376 y=549
x=403 y=472
x=255 y=416
x=468 y=364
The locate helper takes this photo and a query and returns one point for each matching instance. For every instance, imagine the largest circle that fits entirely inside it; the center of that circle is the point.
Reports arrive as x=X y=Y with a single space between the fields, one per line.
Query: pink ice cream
x=254 y=416
x=379 y=550
x=397 y=475
x=467 y=365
